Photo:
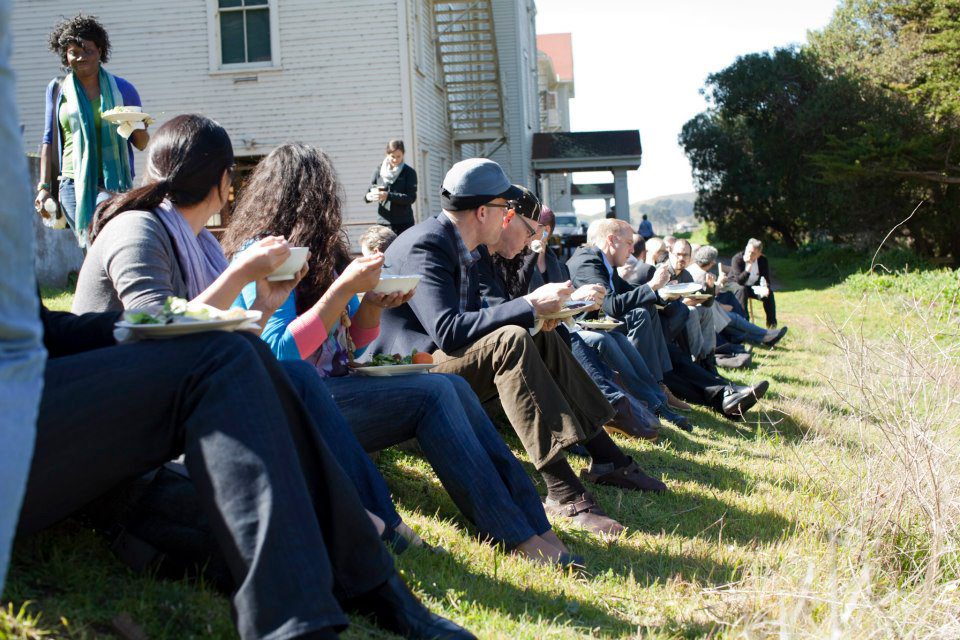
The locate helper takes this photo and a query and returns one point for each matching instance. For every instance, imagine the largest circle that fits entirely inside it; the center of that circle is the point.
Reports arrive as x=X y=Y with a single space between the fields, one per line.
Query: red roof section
x=559 y=46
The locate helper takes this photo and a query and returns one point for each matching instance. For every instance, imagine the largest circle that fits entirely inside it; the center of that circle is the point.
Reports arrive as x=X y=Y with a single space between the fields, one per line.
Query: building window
x=246 y=33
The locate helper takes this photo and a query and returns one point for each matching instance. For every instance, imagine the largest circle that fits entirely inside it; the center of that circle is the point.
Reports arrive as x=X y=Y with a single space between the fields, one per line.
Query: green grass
x=759 y=505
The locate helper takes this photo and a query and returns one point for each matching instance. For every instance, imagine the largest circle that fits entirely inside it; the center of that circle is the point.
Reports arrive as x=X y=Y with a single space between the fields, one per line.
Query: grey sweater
x=132 y=265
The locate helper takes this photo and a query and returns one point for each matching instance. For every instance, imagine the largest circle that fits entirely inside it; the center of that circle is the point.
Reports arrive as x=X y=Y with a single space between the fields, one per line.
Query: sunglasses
x=511 y=213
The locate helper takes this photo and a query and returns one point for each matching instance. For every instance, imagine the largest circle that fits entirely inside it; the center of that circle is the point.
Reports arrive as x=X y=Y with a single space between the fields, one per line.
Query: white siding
x=433 y=136
x=517 y=50
x=338 y=88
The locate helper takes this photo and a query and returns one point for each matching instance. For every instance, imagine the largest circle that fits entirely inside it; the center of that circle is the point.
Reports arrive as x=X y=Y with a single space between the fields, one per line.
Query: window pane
x=258 y=35
x=230 y=3
x=252 y=3
x=231 y=37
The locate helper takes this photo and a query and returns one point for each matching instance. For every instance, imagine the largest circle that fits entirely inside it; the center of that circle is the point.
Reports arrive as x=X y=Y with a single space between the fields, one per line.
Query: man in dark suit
x=611 y=242
x=298 y=543
x=751 y=269
x=548 y=398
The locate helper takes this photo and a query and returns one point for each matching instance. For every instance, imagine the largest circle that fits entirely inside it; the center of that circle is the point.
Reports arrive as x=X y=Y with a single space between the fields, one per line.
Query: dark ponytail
x=188 y=156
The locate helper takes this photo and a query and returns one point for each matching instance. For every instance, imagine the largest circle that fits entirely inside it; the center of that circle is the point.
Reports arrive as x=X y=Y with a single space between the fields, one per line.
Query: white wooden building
x=452 y=79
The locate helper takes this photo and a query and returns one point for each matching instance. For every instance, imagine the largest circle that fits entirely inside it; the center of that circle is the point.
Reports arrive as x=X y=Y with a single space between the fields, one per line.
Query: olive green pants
x=549 y=399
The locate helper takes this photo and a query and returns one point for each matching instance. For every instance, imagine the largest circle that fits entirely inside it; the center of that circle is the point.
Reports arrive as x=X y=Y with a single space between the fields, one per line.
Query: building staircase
x=467 y=54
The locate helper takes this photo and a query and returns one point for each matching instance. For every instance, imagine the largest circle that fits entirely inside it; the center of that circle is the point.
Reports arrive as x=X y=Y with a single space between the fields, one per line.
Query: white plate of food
x=393 y=369
x=384 y=364
x=118 y=115
x=180 y=318
x=600 y=324
x=679 y=290
x=699 y=297
x=570 y=309
x=294 y=262
x=394 y=284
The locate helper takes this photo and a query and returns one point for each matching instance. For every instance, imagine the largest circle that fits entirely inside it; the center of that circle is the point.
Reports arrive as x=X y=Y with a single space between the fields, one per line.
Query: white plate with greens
x=178 y=317
x=606 y=324
x=392 y=369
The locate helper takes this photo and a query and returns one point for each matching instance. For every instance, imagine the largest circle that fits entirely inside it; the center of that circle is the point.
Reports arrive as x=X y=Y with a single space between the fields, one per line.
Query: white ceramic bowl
x=391 y=284
x=290 y=266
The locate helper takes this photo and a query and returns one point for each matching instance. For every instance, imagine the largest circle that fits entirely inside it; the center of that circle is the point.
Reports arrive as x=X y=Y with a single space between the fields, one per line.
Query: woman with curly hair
x=84 y=158
x=294 y=192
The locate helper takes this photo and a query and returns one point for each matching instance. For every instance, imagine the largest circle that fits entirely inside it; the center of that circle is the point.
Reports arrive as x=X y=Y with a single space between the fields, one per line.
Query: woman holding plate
x=83 y=156
x=394 y=189
x=294 y=191
x=150 y=243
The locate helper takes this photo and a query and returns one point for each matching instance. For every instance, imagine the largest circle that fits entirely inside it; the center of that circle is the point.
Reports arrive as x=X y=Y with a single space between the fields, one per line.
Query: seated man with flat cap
x=549 y=400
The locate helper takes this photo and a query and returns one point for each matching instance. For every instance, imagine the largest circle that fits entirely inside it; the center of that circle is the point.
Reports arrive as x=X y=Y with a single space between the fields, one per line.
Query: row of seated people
x=274 y=429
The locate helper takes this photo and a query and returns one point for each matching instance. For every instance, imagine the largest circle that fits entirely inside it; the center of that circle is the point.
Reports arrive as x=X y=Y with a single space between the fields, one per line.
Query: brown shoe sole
x=610 y=428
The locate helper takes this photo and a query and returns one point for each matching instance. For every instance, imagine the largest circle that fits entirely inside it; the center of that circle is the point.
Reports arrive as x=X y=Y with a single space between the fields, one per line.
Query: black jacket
x=401 y=196
x=432 y=319
x=587 y=267
x=739 y=272
x=66 y=334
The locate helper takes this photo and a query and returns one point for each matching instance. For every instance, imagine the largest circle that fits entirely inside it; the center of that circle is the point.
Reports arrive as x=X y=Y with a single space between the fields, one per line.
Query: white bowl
x=392 y=284
x=294 y=262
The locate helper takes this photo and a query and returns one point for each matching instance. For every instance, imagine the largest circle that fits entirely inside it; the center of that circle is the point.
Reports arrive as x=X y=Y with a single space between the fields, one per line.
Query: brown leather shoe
x=585 y=513
x=630 y=477
x=625 y=422
x=673 y=401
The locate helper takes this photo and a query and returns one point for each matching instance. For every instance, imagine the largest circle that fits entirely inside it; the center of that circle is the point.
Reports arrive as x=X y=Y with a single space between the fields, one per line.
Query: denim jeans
x=68 y=202
x=21 y=347
x=287 y=519
x=367 y=480
x=598 y=370
x=619 y=353
x=742 y=329
x=478 y=470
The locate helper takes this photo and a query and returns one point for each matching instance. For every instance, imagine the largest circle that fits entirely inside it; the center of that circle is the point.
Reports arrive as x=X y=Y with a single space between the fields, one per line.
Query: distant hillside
x=665 y=212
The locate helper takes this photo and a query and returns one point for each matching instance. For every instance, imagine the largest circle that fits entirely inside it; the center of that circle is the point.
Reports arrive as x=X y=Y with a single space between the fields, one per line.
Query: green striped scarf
x=112 y=155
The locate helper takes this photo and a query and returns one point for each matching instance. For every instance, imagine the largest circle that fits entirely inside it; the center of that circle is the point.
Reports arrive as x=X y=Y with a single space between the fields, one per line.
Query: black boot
x=396 y=609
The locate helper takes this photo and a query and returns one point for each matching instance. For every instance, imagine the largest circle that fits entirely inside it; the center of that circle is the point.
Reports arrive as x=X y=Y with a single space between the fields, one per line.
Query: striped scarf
x=88 y=159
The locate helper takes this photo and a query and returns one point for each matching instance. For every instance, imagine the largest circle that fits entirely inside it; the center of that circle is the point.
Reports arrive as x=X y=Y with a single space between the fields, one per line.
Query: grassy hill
x=665 y=212
x=832 y=511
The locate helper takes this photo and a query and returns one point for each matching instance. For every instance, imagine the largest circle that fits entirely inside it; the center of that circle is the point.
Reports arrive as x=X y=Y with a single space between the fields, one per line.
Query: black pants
x=769 y=304
x=287 y=519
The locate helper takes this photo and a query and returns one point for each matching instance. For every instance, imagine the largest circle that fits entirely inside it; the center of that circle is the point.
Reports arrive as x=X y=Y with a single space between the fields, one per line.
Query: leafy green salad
x=177 y=310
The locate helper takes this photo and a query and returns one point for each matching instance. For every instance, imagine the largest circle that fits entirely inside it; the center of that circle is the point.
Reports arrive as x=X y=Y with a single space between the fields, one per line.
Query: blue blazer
x=432 y=319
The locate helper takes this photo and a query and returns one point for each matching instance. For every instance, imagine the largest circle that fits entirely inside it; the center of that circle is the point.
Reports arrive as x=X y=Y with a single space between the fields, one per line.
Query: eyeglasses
x=510 y=215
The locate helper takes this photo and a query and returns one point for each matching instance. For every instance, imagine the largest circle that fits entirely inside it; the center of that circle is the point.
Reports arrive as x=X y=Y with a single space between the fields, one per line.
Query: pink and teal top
x=293 y=337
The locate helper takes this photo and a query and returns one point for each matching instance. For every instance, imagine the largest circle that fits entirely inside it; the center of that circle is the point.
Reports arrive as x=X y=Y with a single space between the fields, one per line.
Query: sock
x=563 y=485
x=605 y=453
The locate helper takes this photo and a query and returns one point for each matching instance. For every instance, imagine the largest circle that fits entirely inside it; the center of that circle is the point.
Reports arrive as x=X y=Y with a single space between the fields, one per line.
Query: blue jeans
x=442 y=412
x=596 y=368
x=646 y=333
x=21 y=347
x=742 y=329
x=619 y=353
x=369 y=483
x=68 y=202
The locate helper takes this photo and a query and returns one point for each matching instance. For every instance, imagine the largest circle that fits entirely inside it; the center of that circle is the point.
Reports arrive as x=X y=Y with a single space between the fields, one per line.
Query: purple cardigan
x=130 y=99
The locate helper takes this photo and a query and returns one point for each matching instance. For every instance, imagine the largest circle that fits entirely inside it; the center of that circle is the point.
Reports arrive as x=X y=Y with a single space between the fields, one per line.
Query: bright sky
x=639 y=64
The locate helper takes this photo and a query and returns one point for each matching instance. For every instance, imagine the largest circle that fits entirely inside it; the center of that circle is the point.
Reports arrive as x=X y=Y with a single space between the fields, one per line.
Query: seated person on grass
x=549 y=400
x=506 y=273
x=596 y=263
x=628 y=373
x=476 y=467
x=734 y=326
x=150 y=243
x=299 y=545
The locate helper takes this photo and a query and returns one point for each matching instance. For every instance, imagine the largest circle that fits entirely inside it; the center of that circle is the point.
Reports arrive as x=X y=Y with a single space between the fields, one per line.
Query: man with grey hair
x=731 y=326
x=597 y=263
x=751 y=271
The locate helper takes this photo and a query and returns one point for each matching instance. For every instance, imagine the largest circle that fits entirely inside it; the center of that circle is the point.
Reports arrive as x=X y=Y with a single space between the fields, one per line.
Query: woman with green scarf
x=83 y=157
